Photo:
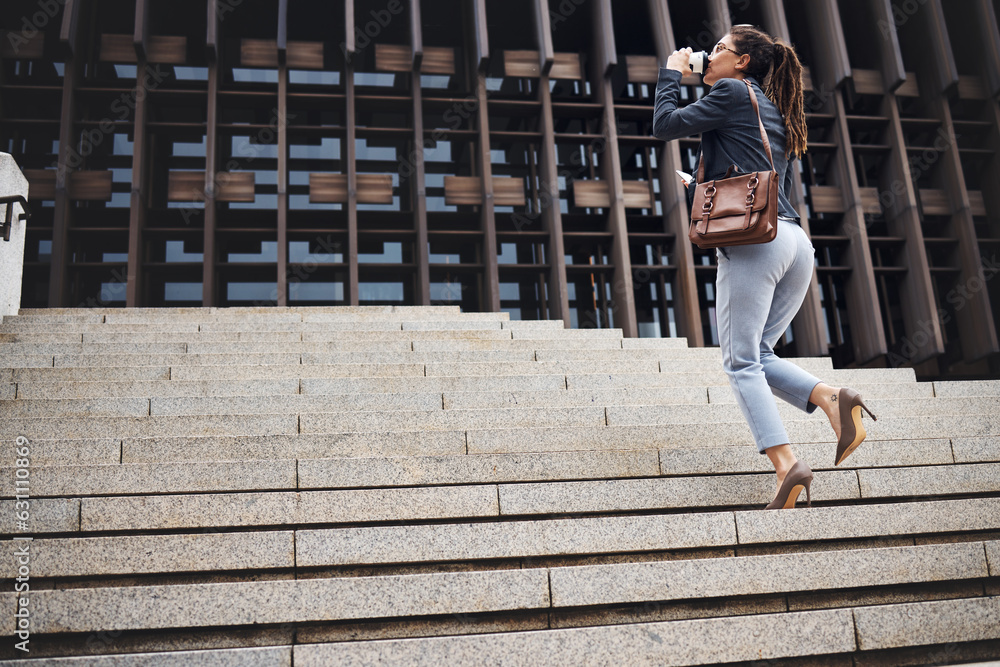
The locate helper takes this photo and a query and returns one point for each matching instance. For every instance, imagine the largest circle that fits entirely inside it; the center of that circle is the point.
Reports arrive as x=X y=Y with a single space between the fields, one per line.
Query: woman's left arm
x=709 y=113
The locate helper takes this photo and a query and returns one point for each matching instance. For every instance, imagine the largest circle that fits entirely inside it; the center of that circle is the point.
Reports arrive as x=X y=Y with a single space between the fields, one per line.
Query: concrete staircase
x=400 y=485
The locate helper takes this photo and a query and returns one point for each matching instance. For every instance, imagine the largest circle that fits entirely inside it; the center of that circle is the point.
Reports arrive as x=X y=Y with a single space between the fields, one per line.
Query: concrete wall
x=12 y=182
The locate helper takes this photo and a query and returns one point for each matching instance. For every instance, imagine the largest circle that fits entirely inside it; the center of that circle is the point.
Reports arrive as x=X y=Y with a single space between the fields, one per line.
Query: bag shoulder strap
x=763 y=136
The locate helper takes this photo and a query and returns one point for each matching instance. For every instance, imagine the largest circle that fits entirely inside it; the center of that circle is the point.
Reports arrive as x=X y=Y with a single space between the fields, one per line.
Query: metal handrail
x=25 y=212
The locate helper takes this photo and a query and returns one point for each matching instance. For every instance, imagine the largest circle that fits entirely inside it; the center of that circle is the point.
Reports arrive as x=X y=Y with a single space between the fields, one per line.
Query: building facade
x=497 y=154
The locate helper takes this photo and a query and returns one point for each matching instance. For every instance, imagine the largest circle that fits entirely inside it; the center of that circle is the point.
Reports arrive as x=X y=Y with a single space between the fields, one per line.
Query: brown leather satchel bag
x=741 y=210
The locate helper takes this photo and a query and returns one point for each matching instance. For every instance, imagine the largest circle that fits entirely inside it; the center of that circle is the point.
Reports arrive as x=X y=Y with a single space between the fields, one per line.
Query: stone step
x=89 y=374
x=266 y=508
x=491 y=430
x=265 y=656
x=245 y=603
x=74 y=407
x=716 y=377
x=154 y=388
x=623 y=415
x=123 y=427
x=868 y=391
x=343 y=598
x=619 y=534
x=712 y=434
x=967 y=388
x=52 y=349
x=153 y=554
x=46 y=516
x=34 y=337
x=154 y=478
x=655 y=405
x=298 y=404
x=159 y=447
x=749 y=639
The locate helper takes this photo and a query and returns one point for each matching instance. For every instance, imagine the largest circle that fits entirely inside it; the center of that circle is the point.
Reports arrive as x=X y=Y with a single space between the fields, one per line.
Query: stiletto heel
x=852 y=430
x=798 y=478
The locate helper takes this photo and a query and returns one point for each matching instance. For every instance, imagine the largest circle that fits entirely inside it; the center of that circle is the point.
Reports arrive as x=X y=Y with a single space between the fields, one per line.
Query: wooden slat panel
x=909 y=87
x=567 y=66
x=305 y=55
x=327 y=188
x=332 y=188
x=167 y=50
x=869 y=199
x=935 y=202
x=186 y=186
x=638 y=194
x=642 y=69
x=117 y=49
x=521 y=63
x=463 y=190
x=15 y=46
x=393 y=58
x=438 y=60
x=508 y=191
x=977 y=203
x=591 y=194
x=259 y=53
x=374 y=188
x=235 y=186
x=41 y=183
x=90 y=185
x=867 y=81
x=826 y=199
x=971 y=88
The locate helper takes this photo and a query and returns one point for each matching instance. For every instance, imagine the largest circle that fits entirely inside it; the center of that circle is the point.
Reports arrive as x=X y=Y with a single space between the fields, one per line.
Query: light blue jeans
x=759 y=289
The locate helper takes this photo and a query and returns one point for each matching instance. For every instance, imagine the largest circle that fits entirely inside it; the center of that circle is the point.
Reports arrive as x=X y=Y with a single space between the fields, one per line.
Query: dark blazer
x=729 y=131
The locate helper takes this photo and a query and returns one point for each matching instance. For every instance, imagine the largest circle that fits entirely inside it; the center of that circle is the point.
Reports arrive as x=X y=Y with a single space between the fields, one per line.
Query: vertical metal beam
x=491 y=279
x=208 y=289
x=62 y=215
x=775 y=21
x=69 y=31
x=938 y=57
x=350 y=157
x=622 y=292
x=719 y=19
x=975 y=316
x=989 y=37
x=212 y=33
x=416 y=35
x=830 y=49
x=349 y=30
x=282 y=169
x=282 y=39
x=548 y=177
x=607 y=53
x=891 y=57
x=543 y=35
x=676 y=214
x=808 y=326
x=864 y=310
x=138 y=203
x=920 y=313
x=481 y=40
x=418 y=194
x=140 y=37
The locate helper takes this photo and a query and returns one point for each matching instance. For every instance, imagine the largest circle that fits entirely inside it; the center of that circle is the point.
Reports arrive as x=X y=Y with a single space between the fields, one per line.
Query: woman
x=759 y=288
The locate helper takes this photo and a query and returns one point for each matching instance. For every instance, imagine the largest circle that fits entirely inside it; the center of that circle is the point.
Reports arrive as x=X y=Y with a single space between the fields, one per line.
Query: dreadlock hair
x=777 y=66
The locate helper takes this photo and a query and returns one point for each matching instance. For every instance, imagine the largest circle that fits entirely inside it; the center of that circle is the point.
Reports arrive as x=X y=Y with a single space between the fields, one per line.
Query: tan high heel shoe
x=799 y=477
x=852 y=431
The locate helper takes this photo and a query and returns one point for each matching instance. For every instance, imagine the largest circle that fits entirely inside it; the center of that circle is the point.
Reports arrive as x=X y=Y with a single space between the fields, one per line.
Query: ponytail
x=776 y=64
